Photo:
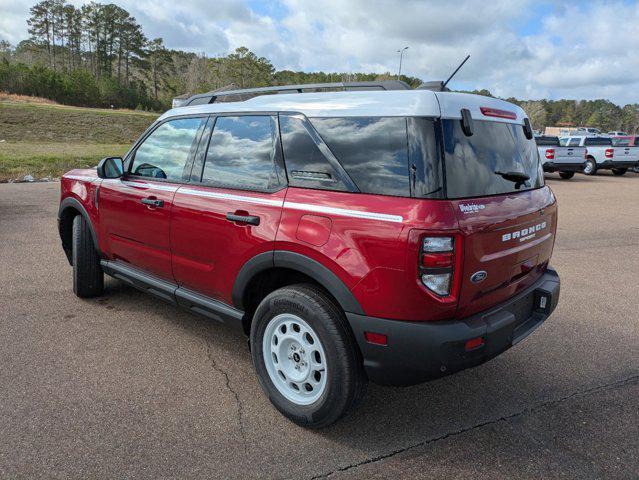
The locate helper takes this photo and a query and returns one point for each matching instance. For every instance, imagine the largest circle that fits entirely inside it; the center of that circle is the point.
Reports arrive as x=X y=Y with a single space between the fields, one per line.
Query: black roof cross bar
x=246 y=93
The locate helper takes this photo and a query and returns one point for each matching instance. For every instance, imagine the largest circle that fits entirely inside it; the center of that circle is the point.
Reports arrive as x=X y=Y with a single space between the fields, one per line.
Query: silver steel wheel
x=589 y=167
x=294 y=359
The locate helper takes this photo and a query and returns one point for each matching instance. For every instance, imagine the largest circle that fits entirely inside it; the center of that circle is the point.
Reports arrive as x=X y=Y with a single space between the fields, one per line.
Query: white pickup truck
x=562 y=159
x=629 y=147
x=602 y=155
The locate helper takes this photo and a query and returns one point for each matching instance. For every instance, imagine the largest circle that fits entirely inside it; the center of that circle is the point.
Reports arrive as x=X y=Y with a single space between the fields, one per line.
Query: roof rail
x=435 y=86
x=246 y=93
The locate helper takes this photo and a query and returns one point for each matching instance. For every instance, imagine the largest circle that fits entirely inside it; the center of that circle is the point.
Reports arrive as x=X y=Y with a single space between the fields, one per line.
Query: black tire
x=346 y=382
x=619 y=171
x=566 y=175
x=591 y=167
x=88 y=278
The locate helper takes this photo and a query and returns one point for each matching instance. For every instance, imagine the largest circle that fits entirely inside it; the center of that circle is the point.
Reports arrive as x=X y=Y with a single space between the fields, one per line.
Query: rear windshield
x=621 y=142
x=547 y=141
x=598 y=141
x=496 y=159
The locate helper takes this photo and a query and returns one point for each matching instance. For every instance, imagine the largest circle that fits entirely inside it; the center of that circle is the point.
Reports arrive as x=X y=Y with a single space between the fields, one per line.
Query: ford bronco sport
x=393 y=236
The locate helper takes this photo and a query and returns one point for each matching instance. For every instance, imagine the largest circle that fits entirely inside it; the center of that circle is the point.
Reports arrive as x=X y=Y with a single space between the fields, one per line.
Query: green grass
x=47 y=140
x=51 y=159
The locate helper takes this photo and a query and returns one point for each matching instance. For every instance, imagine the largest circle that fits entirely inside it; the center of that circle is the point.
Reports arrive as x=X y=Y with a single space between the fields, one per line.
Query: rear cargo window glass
x=598 y=141
x=372 y=150
x=241 y=153
x=306 y=164
x=165 y=152
x=481 y=164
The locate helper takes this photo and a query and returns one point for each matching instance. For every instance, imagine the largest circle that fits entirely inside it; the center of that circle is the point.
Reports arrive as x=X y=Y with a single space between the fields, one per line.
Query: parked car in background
x=602 y=155
x=587 y=131
x=557 y=158
x=391 y=236
x=630 y=146
x=617 y=134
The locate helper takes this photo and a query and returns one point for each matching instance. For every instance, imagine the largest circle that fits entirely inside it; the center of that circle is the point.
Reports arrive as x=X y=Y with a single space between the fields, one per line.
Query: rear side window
x=372 y=150
x=547 y=141
x=308 y=160
x=425 y=166
x=477 y=165
x=164 y=154
x=598 y=141
x=242 y=153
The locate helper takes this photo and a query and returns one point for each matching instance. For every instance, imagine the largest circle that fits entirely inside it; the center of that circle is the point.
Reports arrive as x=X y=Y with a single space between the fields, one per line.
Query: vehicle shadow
x=389 y=418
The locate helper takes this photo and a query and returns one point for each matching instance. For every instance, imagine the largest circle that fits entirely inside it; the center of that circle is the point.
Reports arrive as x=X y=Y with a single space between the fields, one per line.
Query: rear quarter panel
x=376 y=258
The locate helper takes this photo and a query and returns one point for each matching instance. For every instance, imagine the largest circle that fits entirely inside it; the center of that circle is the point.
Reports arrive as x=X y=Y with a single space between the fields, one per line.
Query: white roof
x=404 y=103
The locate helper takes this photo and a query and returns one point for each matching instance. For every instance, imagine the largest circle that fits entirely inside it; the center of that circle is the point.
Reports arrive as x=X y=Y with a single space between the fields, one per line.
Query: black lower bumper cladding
x=551 y=167
x=420 y=351
x=617 y=164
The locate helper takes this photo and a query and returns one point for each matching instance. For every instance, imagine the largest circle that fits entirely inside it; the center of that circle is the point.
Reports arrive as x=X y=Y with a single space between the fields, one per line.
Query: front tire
x=88 y=278
x=619 y=171
x=305 y=356
x=566 y=175
x=591 y=167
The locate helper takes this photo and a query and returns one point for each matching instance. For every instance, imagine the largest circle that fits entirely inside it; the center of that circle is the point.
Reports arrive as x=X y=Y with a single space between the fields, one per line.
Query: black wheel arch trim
x=300 y=263
x=75 y=204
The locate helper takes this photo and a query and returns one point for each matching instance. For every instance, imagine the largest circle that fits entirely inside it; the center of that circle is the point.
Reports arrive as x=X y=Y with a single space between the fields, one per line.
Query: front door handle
x=248 y=219
x=153 y=202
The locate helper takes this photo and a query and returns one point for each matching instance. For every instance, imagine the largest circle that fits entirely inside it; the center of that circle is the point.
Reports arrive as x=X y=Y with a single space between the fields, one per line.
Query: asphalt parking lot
x=127 y=386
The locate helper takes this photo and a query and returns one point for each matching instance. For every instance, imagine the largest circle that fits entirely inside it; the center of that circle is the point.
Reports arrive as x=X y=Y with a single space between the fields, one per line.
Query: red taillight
x=550 y=153
x=609 y=152
x=440 y=264
x=437 y=260
x=474 y=343
x=495 y=112
x=376 y=338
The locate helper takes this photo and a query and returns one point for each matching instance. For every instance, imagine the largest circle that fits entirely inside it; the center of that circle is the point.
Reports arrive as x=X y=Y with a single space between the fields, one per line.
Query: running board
x=173 y=293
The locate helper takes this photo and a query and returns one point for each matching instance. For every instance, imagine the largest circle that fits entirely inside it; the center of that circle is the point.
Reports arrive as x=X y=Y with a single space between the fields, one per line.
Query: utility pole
x=401 y=54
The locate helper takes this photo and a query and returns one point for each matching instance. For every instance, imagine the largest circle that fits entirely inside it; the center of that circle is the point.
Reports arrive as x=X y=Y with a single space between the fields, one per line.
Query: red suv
x=396 y=236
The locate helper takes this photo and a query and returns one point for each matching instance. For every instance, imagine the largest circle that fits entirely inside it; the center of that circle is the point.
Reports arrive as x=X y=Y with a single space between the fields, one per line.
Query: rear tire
x=566 y=175
x=619 y=171
x=88 y=278
x=290 y=328
x=591 y=167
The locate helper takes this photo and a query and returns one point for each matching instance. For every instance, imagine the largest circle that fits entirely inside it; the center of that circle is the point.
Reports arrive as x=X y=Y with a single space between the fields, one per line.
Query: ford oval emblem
x=478 y=276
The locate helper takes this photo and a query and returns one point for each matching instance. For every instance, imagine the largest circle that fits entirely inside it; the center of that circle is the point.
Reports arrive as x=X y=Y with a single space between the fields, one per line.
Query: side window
x=372 y=150
x=425 y=159
x=243 y=153
x=165 y=152
x=306 y=164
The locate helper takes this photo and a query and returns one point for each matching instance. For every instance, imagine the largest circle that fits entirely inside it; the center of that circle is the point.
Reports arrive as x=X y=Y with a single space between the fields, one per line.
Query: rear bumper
x=610 y=165
x=564 y=167
x=420 y=351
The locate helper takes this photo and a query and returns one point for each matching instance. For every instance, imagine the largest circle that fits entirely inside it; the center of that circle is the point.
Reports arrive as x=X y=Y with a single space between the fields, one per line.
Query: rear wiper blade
x=517 y=177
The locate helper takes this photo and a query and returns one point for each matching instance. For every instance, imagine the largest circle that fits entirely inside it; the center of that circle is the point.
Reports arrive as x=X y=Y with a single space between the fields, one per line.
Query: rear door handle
x=248 y=219
x=153 y=202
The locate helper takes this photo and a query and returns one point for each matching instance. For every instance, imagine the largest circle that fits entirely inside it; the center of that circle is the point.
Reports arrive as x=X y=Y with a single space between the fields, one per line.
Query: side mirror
x=466 y=122
x=111 y=167
x=528 y=130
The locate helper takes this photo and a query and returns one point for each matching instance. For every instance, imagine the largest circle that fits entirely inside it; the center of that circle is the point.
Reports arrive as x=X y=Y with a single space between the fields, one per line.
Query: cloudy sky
x=523 y=48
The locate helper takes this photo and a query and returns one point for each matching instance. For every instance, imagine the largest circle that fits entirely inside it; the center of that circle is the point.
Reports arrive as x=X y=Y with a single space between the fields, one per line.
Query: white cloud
x=578 y=50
